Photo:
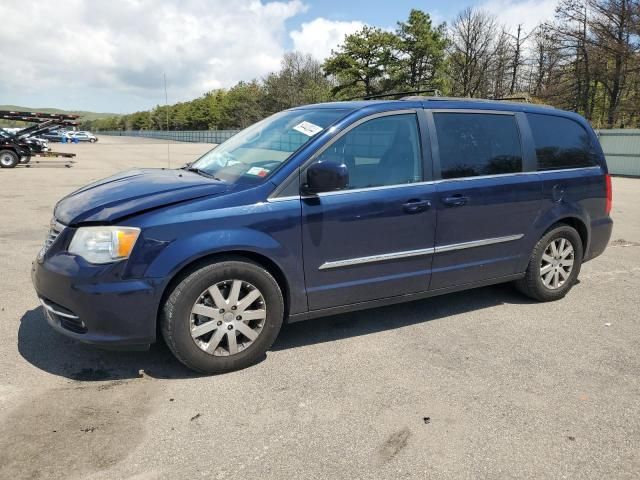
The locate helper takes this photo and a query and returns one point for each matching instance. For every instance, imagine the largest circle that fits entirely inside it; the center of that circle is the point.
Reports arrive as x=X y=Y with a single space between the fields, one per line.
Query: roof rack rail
x=513 y=99
x=434 y=91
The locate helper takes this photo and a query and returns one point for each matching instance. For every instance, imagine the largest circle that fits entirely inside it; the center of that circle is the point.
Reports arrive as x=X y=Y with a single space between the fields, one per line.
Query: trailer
x=21 y=146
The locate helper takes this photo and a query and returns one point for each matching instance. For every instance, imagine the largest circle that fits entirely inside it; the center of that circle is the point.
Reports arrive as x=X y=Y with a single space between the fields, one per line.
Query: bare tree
x=472 y=52
x=518 y=41
x=612 y=24
x=498 y=71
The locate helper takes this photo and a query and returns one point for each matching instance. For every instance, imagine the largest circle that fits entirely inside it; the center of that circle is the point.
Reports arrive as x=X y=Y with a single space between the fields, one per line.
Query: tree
x=420 y=53
x=361 y=65
x=300 y=81
x=517 y=62
x=613 y=24
x=243 y=105
x=472 y=51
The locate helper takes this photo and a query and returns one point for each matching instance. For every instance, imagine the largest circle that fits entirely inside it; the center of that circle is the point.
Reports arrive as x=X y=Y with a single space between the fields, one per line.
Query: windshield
x=252 y=154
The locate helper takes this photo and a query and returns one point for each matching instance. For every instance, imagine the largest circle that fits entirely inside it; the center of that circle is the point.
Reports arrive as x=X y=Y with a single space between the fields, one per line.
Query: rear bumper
x=107 y=313
x=599 y=239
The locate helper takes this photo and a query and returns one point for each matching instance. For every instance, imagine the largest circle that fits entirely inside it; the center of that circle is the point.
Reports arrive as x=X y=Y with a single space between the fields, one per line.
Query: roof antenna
x=166 y=105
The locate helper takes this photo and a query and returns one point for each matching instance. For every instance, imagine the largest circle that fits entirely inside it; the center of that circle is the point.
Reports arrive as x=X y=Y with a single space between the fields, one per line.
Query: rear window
x=561 y=143
x=475 y=144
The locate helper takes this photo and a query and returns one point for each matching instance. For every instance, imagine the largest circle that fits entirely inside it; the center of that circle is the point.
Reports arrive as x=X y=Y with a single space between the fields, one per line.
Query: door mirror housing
x=327 y=176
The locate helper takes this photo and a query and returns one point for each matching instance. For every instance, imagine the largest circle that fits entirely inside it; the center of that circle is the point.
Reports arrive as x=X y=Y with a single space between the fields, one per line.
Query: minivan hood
x=133 y=191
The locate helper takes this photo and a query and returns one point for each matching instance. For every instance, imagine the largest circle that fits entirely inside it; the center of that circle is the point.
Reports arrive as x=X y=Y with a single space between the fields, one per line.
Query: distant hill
x=84 y=116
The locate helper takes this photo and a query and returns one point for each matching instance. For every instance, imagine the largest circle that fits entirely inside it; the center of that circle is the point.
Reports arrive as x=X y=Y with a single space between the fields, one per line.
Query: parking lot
x=478 y=384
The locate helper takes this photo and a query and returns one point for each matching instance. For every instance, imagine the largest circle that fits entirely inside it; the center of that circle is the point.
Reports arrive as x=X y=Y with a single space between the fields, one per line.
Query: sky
x=111 y=55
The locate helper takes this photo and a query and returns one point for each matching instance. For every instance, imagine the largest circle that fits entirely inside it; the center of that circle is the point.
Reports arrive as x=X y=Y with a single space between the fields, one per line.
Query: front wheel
x=25 y=159
x=554 y=265
x=223 y=316
x=8 y=159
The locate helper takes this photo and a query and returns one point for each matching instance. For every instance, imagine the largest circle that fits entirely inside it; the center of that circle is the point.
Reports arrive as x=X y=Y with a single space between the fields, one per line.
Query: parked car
x=83 y=136
x=325 y=209
x=52 y=136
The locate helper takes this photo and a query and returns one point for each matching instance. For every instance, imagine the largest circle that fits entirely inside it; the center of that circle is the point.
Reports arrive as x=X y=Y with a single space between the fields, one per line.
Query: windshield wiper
x=199 y=171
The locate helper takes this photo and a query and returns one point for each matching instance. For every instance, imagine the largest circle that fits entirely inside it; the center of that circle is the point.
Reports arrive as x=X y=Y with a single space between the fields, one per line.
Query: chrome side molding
x=376 y=258
x=478 y=243
x=417 y=253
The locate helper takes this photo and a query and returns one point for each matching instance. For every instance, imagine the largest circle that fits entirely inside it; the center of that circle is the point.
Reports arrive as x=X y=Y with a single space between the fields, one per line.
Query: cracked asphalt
x=477 y=384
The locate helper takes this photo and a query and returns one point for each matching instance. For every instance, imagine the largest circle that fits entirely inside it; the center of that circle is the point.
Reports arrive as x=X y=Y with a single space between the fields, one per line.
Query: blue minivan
x=325 y=209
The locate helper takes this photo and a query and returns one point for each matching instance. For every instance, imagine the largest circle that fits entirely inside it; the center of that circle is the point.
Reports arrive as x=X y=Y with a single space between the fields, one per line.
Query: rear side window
x=475 y=144
x=561 y=143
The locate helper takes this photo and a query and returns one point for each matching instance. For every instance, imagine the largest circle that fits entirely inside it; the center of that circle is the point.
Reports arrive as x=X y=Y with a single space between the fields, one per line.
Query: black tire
x=532 y=284
x=175 y=320
x=25 y=160
x=8 y=159
x=92 y=140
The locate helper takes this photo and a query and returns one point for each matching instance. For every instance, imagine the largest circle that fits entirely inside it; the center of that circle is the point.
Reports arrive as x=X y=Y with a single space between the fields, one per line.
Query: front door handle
x=455 y=200
x=416 y=206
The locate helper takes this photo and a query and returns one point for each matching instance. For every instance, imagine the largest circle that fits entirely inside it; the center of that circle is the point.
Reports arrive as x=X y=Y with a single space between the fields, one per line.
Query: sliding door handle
x=455 y=200
x=416 y=206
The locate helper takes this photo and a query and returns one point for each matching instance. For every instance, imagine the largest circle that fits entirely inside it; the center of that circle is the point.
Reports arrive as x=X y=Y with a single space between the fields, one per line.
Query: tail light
x=609 y=203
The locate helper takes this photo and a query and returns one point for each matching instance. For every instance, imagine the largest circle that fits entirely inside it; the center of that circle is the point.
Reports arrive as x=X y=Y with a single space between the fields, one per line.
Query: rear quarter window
x=561 y=143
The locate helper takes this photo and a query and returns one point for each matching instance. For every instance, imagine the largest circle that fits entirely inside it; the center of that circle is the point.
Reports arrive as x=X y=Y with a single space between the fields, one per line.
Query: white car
x=83 y=136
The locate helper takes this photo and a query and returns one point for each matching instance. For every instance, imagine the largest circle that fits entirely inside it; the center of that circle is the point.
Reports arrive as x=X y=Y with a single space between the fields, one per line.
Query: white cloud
x=320 y=36
x=124 y=47
x=529 y=13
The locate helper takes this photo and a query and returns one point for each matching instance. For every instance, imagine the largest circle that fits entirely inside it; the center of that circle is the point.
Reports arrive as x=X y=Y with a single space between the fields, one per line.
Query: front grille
x=55 y=229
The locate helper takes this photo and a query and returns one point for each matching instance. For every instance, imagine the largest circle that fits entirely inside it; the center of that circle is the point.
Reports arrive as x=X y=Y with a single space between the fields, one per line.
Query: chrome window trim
x=283 y=199
x=572 y=169
x=367 y=189
x=417 y=253
x=429 y=182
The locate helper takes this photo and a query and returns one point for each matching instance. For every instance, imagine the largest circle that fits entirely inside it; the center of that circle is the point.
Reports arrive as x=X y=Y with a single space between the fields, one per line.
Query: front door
x=487 y=202
x=374 y=239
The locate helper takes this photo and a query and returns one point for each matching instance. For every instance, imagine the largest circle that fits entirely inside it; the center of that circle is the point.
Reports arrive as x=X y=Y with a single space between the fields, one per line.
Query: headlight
x=104 y=244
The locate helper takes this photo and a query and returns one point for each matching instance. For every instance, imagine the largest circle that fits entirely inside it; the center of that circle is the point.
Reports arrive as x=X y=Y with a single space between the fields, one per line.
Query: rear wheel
x=8 y=159
x=25 y=159
x=92 y=140
x=223 y=316
x=554 y=265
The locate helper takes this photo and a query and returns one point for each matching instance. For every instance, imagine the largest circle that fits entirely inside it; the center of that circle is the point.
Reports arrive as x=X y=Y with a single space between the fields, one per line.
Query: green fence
x=622 y=149
x=194 y=136
x=621 y=146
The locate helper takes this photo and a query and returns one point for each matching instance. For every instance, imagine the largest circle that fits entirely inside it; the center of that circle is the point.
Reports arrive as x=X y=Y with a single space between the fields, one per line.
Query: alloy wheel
x=228 y=317
x=557 y=263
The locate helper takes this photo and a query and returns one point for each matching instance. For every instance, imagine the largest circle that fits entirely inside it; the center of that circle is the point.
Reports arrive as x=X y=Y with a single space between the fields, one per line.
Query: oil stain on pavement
x=75 y=428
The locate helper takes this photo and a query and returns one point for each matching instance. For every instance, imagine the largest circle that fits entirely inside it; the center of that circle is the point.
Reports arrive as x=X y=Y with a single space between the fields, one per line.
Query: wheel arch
x=579 y=225
x=240 y=255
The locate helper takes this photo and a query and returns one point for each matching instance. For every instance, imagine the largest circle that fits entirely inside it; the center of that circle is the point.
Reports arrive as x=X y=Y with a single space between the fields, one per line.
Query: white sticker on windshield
x=258 y=171
x=307 y=128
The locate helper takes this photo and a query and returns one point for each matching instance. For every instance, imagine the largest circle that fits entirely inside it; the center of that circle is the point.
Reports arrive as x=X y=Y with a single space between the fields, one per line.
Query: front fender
x=270 y=231
x=186 y=250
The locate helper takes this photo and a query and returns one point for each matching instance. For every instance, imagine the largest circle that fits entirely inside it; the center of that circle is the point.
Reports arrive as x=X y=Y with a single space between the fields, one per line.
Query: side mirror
x=325 y=176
